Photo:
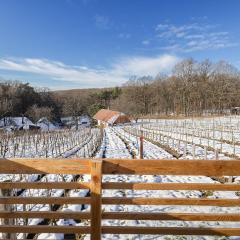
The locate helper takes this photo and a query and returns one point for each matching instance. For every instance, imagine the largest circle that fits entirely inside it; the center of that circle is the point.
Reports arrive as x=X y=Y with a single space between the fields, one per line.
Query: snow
x=46 y=125
x=112 y=147
x=12 y=123
x=83 y=120
x=119 y=143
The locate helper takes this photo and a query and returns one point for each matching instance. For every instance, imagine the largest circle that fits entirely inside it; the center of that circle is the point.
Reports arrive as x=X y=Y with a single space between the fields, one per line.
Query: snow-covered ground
x=122 y=142
x=152 y=151
x=84 y=144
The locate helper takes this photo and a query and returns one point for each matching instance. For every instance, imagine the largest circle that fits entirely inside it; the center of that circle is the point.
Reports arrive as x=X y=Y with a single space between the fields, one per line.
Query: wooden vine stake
x=141 y=145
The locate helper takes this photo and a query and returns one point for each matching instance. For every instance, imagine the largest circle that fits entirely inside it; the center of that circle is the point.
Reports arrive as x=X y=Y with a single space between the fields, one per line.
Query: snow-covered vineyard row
x=221 y=128
x=164 y=139
x=200 y=139
x=115 y=144
x=81 y=144
x=49 y=144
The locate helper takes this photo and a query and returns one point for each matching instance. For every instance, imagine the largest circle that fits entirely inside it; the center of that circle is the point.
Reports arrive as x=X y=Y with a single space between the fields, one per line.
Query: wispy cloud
x=118 y=73
x=124 y=35
x=145 y=42
x=194 y=36
x=102 y=22
x=145 y=65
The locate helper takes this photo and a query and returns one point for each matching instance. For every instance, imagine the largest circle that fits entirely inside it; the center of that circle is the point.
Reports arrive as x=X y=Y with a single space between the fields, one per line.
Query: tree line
x=193 y=88
x=20 y=99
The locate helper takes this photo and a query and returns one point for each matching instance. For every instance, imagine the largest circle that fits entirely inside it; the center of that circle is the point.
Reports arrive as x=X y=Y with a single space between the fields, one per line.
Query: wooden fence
x=98 y=168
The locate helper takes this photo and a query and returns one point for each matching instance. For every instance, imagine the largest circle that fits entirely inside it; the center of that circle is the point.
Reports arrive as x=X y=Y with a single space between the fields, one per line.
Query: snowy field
x=164 y=139
x=151 y=151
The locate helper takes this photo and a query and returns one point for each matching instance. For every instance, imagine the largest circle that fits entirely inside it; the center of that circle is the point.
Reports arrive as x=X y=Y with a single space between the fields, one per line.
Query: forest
x=192 y=88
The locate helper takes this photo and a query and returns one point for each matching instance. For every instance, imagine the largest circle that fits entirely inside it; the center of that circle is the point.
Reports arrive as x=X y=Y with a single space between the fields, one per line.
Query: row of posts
x=230 y=179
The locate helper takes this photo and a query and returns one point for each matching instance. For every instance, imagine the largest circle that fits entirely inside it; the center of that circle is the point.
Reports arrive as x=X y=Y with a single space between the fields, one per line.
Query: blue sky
x=64 y=44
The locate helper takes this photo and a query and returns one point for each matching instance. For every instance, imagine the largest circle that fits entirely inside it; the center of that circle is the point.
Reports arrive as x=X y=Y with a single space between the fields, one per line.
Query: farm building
x=17 y=123
x=73 y=122
x=106 y=117
x=46 y=125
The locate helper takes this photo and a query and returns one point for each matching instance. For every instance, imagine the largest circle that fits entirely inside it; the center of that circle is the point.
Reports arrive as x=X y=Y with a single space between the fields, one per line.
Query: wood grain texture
x=44 y=166
x=46 y=215
x=171 y=186
x=45 y=229
x=170 y=201
x=172 y=231
x=45 y=185
x=172 y=216
x=172 y=167
x=96 y=199
x=96 y=168
x=122 y=166
x=45 y=200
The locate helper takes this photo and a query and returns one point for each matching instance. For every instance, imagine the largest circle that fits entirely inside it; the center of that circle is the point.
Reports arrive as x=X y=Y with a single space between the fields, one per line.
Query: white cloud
x=192 y=37
x=195 y=36
x=124 y=35
x=161 y=27
x=145 y=65
x=146 y=42
x=117 y=74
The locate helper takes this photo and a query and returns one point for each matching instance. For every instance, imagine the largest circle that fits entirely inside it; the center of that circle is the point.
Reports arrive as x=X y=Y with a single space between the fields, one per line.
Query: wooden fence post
x=96 y=199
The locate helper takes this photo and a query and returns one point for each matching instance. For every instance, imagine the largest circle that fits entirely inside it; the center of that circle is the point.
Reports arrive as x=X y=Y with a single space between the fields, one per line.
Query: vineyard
x=194 y=139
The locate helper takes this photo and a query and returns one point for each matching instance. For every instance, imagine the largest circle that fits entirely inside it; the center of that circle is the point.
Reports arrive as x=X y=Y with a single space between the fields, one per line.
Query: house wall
x=102 y=124
x=122 y=119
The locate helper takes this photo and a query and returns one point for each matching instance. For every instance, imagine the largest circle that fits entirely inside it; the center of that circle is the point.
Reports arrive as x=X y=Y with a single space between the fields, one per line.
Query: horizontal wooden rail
x=44 y=166
x=124 y=230
x=172 y=167
x=172 y=216
x=170 y=201
x=44 y=185
x=45 y=229
x=126 y=216
x=46 y=215
x=45 y=200
x=172 y=231
x=171 y=186
x=122 y=166
x=100 y=167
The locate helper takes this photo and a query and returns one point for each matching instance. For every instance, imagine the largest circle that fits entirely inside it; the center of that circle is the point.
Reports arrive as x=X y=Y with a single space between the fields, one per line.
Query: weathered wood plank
x=170 y=201
x=45 y=200
x=171 y=186
x=42 y=166
x=172 y=231
x=172 y=167
x=45 y=185
x=172 y=216
x=46 y=215
x=45 y=229
x=122 y=166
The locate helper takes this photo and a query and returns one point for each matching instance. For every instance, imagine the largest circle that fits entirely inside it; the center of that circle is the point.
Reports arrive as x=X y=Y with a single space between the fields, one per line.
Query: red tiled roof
x=105 y=115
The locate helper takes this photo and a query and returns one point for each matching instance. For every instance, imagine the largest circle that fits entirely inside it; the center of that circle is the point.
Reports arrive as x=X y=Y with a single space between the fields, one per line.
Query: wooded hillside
x=191 y=89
